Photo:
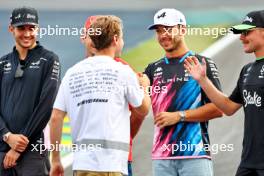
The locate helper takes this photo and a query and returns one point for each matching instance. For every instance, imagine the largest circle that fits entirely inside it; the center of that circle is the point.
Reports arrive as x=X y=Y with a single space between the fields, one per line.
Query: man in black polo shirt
x=29 y=79
x=248 y=93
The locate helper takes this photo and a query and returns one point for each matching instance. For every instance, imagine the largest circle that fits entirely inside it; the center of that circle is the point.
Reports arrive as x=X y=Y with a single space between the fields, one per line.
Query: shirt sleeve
x=134 y=94
x=148 y=73
x=60 y=102
x=3 y=127
x=236 y=95
x=213 y=75
x=42 y=111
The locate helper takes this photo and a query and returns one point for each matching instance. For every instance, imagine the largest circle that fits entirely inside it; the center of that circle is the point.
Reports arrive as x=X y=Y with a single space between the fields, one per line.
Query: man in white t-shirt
x=95 y=94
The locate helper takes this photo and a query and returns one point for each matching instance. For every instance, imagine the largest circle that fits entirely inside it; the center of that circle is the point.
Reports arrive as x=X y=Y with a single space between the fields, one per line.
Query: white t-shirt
x=95 y=93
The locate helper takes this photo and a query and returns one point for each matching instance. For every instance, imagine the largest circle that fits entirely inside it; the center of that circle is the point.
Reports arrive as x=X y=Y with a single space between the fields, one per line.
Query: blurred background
x=136 y=16
x=141 y=48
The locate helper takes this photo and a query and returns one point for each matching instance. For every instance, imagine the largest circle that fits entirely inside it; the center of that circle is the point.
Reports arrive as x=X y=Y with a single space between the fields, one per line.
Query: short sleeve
x=149 y=73
x=213 y=75
x=60 y=101
x=236 y=95
x=134 y=94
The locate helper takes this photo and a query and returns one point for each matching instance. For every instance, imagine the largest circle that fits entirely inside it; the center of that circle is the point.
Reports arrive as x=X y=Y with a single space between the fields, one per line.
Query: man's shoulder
x=118 y=59
x=6 y=57
x=200 y=57
x=156 y=62
x=48 y=54
x=247 y=67
x=77 y=66
x=210 y=62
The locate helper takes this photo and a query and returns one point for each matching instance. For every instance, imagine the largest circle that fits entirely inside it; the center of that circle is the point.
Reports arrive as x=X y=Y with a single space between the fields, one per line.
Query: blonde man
x=95 y=93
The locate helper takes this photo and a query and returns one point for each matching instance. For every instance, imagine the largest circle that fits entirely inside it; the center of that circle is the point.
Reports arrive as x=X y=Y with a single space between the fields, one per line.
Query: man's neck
x=23 y=51
x=259 y=54
x=178 y=52
x=106 y=52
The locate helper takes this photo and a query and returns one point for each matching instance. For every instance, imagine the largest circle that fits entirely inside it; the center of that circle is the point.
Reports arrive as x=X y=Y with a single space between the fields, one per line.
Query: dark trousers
x=30 y=163
x=249 y=172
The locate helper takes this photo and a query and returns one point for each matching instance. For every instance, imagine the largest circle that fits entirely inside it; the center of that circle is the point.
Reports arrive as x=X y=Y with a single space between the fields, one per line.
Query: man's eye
x=32 y=28
x=21 y=28
x=168 y=29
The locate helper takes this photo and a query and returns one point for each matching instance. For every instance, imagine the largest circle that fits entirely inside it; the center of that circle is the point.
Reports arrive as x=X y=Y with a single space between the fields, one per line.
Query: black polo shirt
x=250 y=93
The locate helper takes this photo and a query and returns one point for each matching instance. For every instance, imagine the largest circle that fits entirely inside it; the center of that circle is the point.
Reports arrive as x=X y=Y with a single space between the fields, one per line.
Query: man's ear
x=91 y=46
x=83 y=35
x=11 y=28
x=82 y=38
x=115 y=39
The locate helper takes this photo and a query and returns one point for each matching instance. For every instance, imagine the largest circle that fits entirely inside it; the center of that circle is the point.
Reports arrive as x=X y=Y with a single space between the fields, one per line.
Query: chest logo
x=35 y=65
x=158 y=72
x=7 y=66
x=249 y=99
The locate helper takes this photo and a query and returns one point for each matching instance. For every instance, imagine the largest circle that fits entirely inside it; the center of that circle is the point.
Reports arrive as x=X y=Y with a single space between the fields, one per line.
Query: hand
x=163 y=119
x=56 y=169
x=18 y=142
x=10 y=159
x=143 y=80
x=193 y=66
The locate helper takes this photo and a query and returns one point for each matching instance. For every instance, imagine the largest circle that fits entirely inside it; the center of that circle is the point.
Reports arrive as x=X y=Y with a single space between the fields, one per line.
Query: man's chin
x=26 y=46
x=169 y=49
x=248 y=51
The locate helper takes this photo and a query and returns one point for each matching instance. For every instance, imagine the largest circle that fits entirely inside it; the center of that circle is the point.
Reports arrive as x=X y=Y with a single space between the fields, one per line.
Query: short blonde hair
x=109 y=26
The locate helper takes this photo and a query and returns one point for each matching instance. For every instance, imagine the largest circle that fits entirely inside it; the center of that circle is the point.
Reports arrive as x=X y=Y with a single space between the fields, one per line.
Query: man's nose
x=28 y=33
x=242 y=37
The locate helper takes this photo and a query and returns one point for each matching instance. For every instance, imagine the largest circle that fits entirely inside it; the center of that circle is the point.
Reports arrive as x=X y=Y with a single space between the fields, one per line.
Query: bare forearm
x=218 y=98
x=136 y=121
x=144 y=108
x=203 y=113
x=56 y=124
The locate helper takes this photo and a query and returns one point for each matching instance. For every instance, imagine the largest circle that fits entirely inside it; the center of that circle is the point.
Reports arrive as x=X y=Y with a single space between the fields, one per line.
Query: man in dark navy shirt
x=248 y=93
x=29 y=80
